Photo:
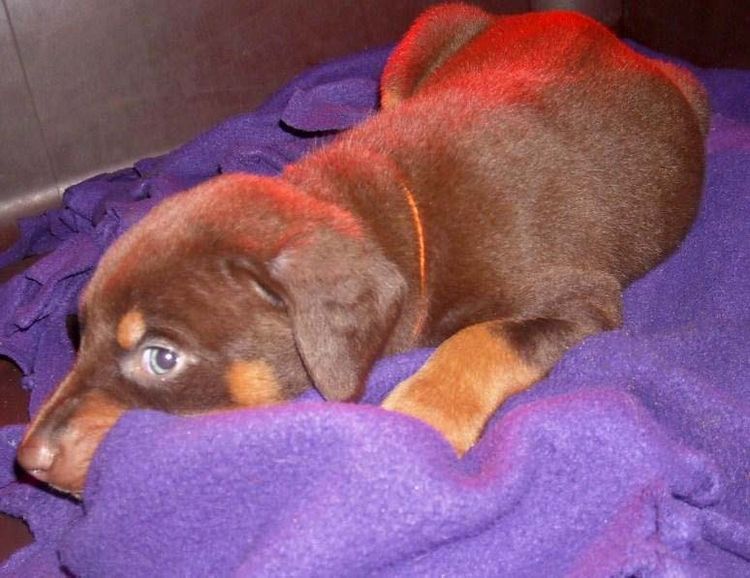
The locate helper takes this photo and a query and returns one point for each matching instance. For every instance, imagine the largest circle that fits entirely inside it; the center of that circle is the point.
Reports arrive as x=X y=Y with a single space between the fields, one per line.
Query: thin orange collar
x=422 y=249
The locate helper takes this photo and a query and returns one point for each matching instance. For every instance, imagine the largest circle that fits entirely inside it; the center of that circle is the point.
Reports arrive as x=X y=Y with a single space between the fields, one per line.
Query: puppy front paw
x=420 y=397
x=463 y=383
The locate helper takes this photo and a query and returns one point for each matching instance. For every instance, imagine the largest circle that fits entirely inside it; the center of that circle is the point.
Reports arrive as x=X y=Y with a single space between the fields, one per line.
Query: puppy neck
x=374 y=188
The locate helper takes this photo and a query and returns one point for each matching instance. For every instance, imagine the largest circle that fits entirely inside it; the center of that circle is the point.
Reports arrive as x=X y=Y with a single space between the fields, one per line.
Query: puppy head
x=242 y=292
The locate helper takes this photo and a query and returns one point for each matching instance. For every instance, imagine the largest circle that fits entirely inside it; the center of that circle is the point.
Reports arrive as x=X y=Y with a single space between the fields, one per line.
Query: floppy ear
x=246 y=272
x=343 y=297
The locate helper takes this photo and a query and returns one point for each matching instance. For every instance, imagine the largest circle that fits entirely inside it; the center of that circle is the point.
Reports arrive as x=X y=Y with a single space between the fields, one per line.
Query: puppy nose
x=37 y=455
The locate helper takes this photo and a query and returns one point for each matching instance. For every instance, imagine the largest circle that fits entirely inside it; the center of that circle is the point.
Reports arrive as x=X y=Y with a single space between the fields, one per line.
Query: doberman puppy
x=523 y=170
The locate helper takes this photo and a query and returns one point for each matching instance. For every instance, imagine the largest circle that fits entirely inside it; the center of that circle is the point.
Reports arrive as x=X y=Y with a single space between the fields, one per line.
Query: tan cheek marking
x=253 y=384
x=80 y=439
x=462 y=384
x=96 y=416
x=130 y=329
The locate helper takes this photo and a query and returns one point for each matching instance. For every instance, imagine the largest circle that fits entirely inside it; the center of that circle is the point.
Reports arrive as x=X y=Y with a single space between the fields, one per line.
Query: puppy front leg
x=478 y=368
x=463 y=382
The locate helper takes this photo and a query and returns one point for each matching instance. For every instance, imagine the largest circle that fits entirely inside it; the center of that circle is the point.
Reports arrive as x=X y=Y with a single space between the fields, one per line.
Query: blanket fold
x=631 y=459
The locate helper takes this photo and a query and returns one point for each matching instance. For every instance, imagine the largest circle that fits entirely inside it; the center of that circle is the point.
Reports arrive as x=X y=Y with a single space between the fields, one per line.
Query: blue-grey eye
x=159 y=360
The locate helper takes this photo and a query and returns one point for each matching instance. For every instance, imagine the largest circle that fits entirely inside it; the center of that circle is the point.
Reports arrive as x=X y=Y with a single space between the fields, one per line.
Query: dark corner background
x=92 y=85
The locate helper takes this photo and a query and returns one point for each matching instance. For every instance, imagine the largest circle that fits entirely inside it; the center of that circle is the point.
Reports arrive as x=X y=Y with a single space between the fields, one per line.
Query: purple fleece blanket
x=631 y=459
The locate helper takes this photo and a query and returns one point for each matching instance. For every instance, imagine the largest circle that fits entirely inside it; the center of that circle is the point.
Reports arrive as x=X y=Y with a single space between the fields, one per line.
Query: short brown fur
x=85 y=428
x=547 y=166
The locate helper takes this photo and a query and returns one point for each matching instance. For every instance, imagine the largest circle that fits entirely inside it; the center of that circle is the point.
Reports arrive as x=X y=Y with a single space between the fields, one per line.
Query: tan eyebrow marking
x=130 y=329
x=253 y=384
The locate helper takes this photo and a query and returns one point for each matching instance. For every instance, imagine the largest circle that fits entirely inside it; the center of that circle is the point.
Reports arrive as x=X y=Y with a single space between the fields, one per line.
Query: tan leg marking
x=253 y=384
x=131 y=328
x=463 y=383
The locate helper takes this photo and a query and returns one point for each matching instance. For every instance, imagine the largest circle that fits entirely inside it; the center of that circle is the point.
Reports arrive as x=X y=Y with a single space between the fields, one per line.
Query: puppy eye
x=159 y=360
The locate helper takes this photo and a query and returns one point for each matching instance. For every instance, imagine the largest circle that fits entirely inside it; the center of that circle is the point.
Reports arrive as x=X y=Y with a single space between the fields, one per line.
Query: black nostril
x=36 y=456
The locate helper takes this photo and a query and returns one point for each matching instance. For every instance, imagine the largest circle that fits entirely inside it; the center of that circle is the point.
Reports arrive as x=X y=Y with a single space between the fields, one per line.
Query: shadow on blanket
x=631 y=459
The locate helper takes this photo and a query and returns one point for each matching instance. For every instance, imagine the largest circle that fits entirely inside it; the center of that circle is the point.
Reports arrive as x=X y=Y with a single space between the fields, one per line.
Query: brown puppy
x=524 y=169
